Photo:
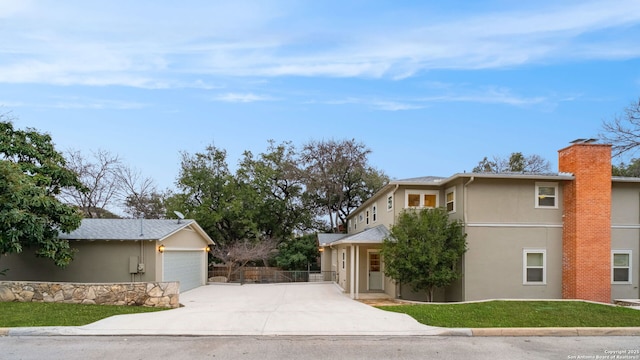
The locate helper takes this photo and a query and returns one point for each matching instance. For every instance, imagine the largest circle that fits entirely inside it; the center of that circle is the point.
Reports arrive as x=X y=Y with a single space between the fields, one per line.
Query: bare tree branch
x=623 y=131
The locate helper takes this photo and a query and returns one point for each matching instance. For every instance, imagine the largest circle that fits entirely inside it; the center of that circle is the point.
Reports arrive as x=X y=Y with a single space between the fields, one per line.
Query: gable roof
x=131 y=229
x=374 y=235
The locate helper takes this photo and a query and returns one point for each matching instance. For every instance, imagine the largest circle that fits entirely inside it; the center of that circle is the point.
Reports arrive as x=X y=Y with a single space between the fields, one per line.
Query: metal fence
x=267 y=275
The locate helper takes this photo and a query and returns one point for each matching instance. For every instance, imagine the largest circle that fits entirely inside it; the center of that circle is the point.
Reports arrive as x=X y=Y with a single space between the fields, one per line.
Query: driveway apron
x=264 y=309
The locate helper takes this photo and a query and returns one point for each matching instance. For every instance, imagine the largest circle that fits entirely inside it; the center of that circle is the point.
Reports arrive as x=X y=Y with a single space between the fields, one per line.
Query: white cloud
x=242 y=98
x=111 y=44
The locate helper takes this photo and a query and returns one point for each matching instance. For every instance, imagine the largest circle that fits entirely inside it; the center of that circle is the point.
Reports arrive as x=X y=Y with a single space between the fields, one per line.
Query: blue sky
x=431 y=87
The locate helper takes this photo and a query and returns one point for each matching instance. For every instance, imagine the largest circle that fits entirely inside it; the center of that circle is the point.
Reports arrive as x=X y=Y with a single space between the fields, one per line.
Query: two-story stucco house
x=574 y=234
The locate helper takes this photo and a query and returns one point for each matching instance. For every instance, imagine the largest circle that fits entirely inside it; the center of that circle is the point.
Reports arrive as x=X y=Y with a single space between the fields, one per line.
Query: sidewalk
x=282 y=309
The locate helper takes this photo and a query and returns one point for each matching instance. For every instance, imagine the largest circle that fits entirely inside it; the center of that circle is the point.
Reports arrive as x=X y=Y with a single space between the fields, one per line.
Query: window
x=374 y=212
x=547 y=195
x=360 y=218
x=621 y=266
x=535 y=266
x=390 y=202
x=344 y=258
x=367 y=217
x=426 y=198
x=450 y=197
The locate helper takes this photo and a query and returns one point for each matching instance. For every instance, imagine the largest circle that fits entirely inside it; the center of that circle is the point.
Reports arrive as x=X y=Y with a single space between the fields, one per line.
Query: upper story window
x=421 y=198
x=390 y=202
x=547 y=195
x=621 y=266
x=374 y=212
x=360 y=217
x=535 y=266
x=450 y=196
x=367 y=217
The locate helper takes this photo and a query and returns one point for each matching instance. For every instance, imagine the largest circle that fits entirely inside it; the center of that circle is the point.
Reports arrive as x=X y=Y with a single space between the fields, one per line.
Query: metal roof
x=131 y=229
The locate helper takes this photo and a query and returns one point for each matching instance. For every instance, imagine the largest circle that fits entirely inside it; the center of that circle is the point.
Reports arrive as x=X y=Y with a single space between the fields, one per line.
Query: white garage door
x=184 y=266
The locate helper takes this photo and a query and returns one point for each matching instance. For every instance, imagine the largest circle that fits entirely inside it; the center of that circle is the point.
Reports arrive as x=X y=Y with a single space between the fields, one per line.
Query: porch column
x=353 y=272
x=357 y=271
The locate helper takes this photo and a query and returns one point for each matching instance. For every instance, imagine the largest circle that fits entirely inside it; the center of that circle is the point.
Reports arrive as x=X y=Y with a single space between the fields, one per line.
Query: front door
x=375 y=271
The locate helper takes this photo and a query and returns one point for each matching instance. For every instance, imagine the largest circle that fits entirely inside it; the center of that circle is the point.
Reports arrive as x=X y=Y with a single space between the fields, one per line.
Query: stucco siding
x=95 y=261
x=494 y=263
x=627 y=239
x=625 y=204
x=185 y=238
x=505 y=201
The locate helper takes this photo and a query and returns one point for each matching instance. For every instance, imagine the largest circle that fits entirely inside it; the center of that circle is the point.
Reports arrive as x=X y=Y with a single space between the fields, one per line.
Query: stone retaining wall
x=152 y=294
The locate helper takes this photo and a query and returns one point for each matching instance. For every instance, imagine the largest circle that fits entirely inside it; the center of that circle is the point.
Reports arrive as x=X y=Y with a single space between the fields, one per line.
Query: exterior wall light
x=161 y=248
x=207 y=249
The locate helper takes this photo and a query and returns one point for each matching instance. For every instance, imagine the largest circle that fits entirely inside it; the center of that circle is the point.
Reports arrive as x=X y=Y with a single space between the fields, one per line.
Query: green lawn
x=22 y=314
x=520 y=314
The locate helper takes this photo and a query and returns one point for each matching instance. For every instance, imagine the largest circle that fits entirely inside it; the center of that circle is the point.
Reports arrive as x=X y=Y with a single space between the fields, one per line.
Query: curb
x=586 y=331
x=474 y=332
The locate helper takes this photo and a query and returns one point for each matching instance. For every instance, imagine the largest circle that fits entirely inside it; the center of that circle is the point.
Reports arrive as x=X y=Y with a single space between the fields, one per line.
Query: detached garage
x=124 y=250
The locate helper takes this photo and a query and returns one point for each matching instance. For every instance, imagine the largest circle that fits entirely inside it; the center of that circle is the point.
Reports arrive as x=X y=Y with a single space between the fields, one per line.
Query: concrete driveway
x=272 y=309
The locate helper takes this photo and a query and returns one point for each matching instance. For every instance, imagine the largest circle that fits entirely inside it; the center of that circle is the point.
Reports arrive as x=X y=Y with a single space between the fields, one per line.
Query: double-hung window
x=390 y=202
x=621 y=266
x=546 y=195
x=450 y=198
x=535 y=266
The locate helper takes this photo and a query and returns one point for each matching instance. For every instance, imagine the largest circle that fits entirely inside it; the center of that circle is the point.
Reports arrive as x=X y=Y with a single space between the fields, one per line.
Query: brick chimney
x=586 y=236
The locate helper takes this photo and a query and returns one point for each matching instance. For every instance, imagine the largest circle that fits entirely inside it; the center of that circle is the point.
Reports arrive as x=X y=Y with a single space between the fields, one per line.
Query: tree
x=100 y=177
x=338 y=177
x=424 y=250
x=140 y=197
x=628 y=170
x=32 y=174
x=212 y=196
x=516 y=162
x=277 y=181
x=298 y=253
x=237 y=254
x=623 y=131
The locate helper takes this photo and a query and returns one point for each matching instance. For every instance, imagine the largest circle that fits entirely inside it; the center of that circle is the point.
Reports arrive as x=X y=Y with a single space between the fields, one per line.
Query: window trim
x=537 y=195
x=447 y=192
x=421 y=193
x=629 y=253
x=525 y=267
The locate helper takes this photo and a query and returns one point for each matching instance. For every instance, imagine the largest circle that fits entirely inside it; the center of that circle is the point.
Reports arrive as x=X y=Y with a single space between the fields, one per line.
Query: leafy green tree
x=277 y=182
x=32 y=174
x=339 y=178
x=424 y=250
x=298 y=253
x=628 y=170
x=210 y=196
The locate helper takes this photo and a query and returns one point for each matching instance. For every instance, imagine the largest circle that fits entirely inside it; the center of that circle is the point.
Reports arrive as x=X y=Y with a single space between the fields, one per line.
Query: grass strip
x=520 y=314
x=25 y=314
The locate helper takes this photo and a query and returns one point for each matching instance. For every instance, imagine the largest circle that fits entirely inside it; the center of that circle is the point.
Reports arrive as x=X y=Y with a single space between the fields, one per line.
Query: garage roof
x=131 y=229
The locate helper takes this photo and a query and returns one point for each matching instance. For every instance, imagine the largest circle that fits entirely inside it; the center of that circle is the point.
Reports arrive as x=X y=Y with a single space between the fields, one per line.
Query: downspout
x=465 y=199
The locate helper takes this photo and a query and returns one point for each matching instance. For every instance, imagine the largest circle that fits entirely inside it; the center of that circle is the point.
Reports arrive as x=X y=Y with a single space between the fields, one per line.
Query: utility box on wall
x=133 y=265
